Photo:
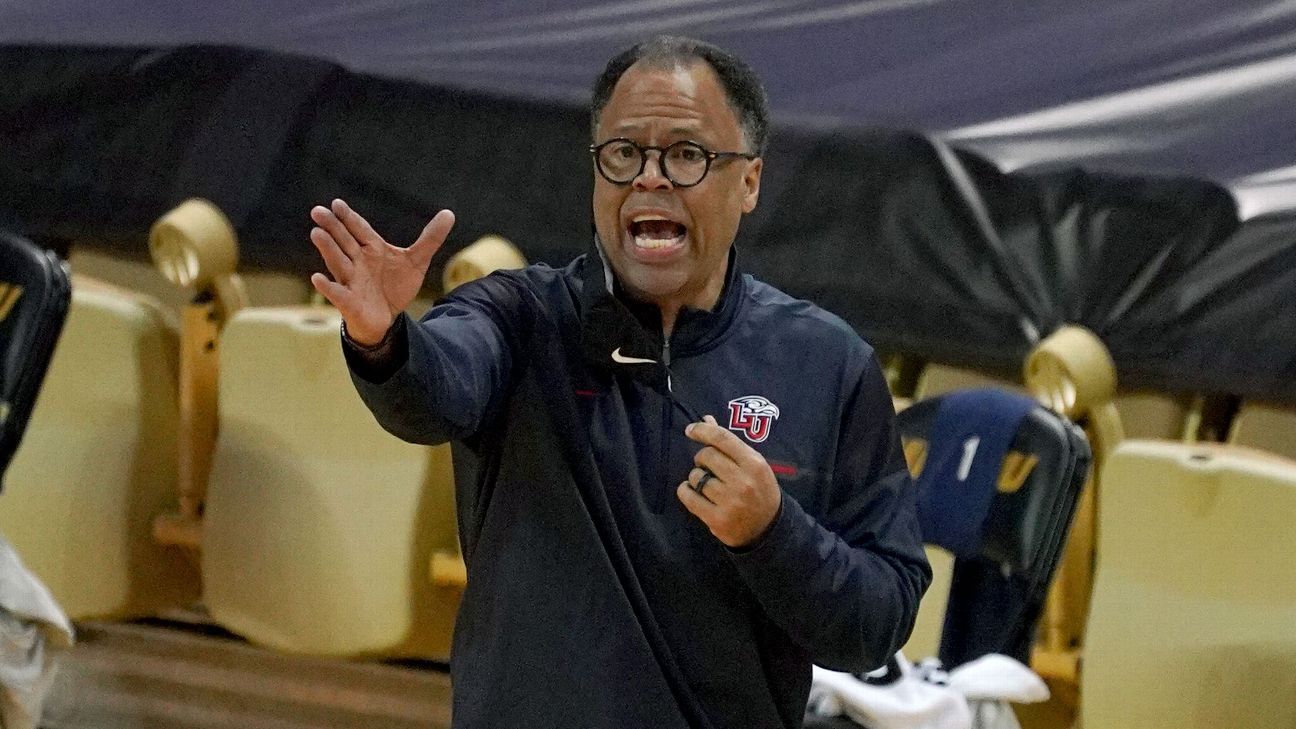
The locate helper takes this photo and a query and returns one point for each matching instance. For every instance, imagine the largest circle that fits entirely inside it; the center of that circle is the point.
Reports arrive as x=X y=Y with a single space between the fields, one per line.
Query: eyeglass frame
x=661 y=157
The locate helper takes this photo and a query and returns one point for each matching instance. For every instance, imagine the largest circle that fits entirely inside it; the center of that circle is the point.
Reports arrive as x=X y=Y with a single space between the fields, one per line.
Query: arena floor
x=169 y=675
x=185 y=673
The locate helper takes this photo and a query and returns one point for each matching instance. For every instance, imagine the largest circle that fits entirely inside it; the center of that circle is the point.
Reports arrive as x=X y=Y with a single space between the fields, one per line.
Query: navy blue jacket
x=594 y=598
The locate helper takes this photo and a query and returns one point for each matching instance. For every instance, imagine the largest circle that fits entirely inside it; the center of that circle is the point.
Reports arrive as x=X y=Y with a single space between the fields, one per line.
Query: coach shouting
x=690 y=484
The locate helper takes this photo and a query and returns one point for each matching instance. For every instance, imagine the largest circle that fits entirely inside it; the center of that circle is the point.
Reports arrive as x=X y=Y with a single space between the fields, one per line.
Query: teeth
x=643 y=241
x=646 y=216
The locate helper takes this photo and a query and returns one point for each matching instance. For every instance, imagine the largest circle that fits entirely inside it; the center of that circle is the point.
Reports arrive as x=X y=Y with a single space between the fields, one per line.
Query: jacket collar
x=612 y=322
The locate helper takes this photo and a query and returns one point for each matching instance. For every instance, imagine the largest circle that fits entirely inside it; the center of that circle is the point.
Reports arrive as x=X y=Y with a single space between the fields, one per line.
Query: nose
x=653 y=176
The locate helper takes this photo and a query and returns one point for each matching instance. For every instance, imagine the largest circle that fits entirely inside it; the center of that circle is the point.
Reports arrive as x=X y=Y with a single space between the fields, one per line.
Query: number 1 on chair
x=969 y=452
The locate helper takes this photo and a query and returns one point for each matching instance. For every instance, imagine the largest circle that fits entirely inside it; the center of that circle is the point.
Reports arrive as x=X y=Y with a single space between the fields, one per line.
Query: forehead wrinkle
x=647 y=121
x=664 y=105
x=685 y=119
x=653 y=96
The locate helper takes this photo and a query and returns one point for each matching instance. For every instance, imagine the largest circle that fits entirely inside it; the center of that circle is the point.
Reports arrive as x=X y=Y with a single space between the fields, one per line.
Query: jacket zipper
x=689 y=412
x=665 y=450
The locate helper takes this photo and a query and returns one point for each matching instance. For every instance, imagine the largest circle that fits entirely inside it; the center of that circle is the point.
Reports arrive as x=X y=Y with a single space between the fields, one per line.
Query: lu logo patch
x=753 y=416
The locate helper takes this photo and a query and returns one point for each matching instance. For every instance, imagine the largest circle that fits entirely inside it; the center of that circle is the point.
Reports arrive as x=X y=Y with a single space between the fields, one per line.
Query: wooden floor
x=173 y=676
x=177 y=675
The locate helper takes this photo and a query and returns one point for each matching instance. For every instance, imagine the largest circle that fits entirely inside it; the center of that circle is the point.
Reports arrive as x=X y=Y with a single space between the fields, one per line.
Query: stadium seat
x=34 y=293
x=1270 y=428
x=996 y=587
x=319 y=526
x=1193 y=621
x=1146 y=414
x=98 y=461
x=1143 y=414
x=265 y=288
x=938 y=379
x=925 y=640
x=483 y=256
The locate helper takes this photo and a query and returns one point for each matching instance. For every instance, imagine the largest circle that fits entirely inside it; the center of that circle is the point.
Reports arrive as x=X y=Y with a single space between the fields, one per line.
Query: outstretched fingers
x=337 y=262
x=327 y=220
x=369 y=279
x=356 y=225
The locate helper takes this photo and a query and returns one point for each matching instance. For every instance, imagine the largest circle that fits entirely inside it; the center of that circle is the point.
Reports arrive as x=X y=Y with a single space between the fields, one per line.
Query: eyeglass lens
x=684 y=163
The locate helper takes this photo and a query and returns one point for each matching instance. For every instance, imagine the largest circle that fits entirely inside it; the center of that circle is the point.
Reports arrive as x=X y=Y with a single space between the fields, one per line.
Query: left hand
x=739 y=502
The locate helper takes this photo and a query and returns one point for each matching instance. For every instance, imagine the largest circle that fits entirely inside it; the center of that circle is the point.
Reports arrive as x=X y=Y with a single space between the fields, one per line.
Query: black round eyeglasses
x=685 y=164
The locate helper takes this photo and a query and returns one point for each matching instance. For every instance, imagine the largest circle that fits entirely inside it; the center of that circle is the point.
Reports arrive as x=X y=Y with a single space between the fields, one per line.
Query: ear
x=751 y=184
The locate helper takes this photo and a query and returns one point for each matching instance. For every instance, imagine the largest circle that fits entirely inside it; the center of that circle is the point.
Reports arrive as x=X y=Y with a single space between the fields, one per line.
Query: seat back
x=98 y=461
x=319 y=525
x=34 y=295
x=1144 y=414
x=938 y=379
x=925 y=640
x=1147 y=414
x=996 y=591
x=1193 y=620
x=1270 y=428
x=264 y=287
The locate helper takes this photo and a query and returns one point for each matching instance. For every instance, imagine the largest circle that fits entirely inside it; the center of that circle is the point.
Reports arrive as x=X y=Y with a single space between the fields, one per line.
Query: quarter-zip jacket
x=594 y=598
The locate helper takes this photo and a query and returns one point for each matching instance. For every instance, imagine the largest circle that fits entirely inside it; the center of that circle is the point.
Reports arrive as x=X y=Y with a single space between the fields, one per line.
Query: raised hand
x=373 y=280
x=739 y=496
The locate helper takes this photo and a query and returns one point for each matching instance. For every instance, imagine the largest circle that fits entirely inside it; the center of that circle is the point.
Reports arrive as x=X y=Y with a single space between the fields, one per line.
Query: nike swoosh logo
x=622 y=359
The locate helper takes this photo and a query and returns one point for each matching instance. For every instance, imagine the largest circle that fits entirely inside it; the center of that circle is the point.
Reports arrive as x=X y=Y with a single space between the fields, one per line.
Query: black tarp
x=923 y=249
x=1200 y=88
x=103 y=141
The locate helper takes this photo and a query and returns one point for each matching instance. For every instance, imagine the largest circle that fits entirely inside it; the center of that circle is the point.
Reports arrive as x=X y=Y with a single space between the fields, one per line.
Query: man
x=630 y=563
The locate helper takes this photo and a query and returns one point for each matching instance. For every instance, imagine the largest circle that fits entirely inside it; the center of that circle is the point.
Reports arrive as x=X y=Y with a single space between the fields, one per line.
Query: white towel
x=996 y=677
x=972 y=696
x=908 y=703
x=33 y=631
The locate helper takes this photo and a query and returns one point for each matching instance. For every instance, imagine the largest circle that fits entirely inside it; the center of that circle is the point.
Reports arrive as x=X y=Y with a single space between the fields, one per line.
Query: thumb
x=431 y=239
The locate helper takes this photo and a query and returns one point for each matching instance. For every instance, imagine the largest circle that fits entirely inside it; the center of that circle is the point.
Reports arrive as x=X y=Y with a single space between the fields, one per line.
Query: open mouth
x=654 y=233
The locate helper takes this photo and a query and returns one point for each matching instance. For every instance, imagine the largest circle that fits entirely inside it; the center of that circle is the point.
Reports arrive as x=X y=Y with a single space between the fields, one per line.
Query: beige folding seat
x=265 y=288
x=1267 y=427
x=319 y=526
x=925 y=639
x=1193 y=619
x=938 y=379
x=98 y=461
x=1146 y=414
x=484 y=256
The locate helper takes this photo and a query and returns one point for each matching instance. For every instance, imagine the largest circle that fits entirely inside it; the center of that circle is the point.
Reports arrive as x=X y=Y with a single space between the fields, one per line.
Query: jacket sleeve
x=448 y=375
x=846 y=586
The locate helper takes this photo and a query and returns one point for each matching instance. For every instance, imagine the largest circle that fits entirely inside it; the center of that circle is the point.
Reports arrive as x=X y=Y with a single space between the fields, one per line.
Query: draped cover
x=955 y=178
